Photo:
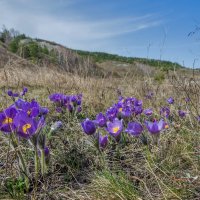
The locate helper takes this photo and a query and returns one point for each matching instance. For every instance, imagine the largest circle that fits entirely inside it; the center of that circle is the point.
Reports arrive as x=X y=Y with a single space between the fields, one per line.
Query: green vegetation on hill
x=101 y=57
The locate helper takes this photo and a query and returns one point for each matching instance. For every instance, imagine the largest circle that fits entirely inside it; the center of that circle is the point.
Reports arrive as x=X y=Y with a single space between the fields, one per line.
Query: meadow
x=129 y=134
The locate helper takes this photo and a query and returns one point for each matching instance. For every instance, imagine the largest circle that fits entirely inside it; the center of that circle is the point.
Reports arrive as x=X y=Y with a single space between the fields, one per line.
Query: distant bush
x=14 y=44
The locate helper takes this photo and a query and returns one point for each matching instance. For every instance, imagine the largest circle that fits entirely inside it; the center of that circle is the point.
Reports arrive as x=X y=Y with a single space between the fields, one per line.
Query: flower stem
x=43 y=163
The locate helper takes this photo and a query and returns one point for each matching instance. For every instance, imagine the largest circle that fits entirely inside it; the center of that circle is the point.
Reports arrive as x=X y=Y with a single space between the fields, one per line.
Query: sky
x=155 y=29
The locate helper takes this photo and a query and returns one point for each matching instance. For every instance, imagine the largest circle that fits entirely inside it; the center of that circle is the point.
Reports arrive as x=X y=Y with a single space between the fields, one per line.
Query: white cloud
x=71 y=31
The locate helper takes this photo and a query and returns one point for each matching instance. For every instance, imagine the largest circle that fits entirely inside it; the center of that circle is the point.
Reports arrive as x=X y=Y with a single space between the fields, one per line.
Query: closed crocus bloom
x=155 y=127
x=25 y=90
x=70 y=107
x=6 y=120
x=57 y=98
x=19 y=103
x=46 y=151
x=88 y=127
x=43 y=111
x=25 y=125
x=10 y=93
x=181 y=113
x=170 y=100
x=103 y=141
x=15 y=95
x=115 y=127
x=57 y=125
x=148 y=112
x=100 y=120
x=187 y=99
x=134 y=128
x=79 y=109
x=138 y=110
x=165 y=111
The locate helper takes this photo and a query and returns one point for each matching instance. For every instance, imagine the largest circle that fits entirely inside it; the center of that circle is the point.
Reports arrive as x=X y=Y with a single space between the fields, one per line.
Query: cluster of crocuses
x=126 y=116
x=72 y=103
x=26 y=120
x=15 y=94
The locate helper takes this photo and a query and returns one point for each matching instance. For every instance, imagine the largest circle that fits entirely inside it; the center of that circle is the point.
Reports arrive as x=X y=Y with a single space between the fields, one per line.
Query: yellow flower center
x=120 y=109
x=115 y=129
x=28 y=112
x=26 y=127
x=166 y=126
x=7 y=120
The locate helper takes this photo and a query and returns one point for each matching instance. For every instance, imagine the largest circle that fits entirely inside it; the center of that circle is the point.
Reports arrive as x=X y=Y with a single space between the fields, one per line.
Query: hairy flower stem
x=36 y=165
x=43 y=163
x=25 y=172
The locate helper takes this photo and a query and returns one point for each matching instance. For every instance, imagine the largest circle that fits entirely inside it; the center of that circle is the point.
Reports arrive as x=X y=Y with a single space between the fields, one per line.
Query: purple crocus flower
x=198 y=118
x=70 y=107
x=165 y=111
x=79 y=109
x=155 y=127
x=134 y=128
x=10 y=93
x=138 y=110
x=46 y=151
x=88 y=127
x=15 y=95
x=115 y=127
x=126 y=112
x=100 y=120
x=25 y=90
x=19 y=103
x=148 y=112
x=187 y=99
x=170 y=100
x=43 y=110
x=31 y=108
x=181 y=113
x=111 y=113
x=103 y=141
x=138 y=102
x=79 y=99
x=6 y=119
x=59 y=99
x=25 y=125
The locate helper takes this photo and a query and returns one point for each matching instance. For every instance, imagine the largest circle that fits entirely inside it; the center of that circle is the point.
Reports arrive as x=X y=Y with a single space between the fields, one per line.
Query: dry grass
x=168 y=171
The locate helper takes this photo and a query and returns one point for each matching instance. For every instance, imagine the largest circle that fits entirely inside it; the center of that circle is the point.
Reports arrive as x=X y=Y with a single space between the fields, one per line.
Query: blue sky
x=139 y=28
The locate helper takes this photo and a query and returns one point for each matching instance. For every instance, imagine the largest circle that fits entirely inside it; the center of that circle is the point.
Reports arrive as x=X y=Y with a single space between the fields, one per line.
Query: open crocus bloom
x=6 y=119
x=148 y=112
x=155 y=127
x=25 y=125
x=115 y=127
x=103 y=141
x=88 y=127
